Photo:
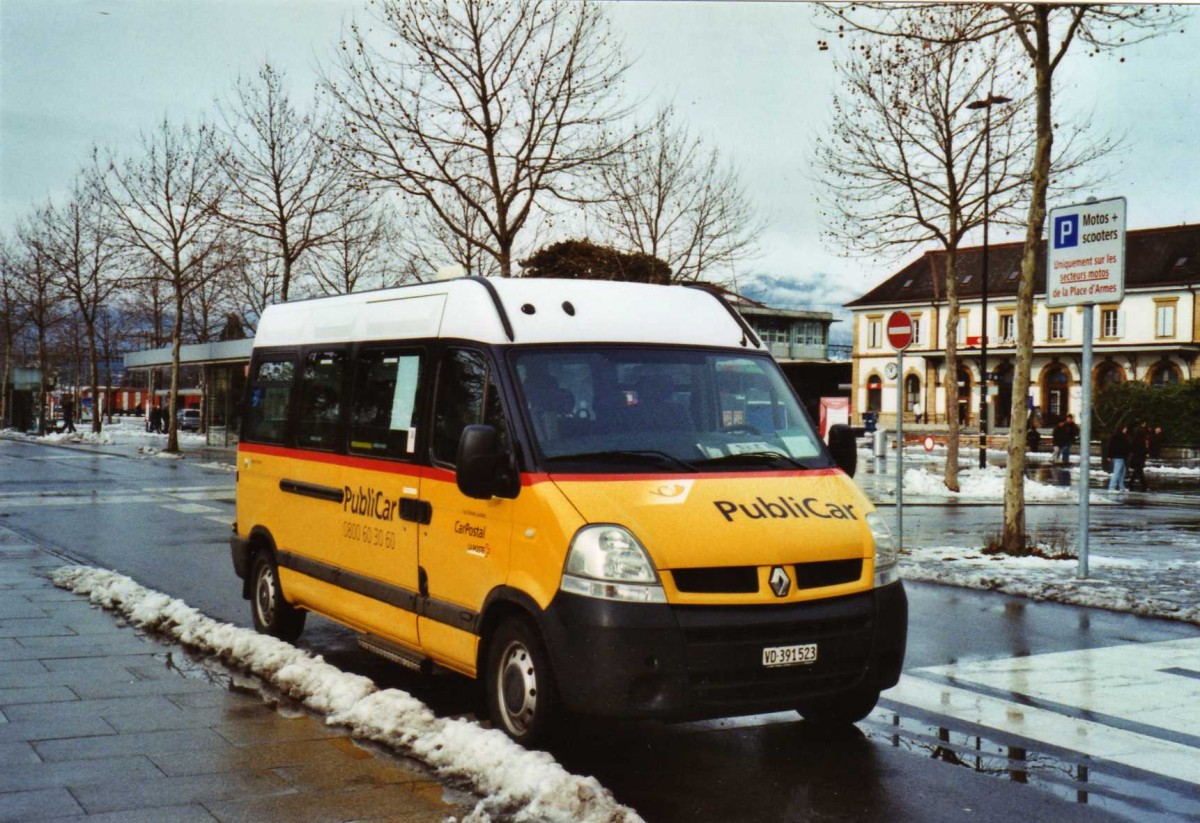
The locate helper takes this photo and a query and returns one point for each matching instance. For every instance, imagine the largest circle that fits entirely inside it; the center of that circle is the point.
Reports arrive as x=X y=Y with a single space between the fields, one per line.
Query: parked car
x=188 y=420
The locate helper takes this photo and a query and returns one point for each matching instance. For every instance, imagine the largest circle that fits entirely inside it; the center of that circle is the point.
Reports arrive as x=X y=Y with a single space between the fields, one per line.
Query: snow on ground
x=123 y=431
x=1151 y=588
x=979 y=484
x=514 y=782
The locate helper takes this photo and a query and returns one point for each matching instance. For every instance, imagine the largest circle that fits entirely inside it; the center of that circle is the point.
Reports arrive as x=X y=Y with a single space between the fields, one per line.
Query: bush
x=1175 y=407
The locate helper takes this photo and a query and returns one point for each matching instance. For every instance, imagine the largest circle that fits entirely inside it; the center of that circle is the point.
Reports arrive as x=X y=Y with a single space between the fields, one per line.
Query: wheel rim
x=516 y=688
x=264 y=595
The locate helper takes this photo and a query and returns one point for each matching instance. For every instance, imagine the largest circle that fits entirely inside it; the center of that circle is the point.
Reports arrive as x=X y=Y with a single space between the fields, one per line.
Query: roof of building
x=1166 y=256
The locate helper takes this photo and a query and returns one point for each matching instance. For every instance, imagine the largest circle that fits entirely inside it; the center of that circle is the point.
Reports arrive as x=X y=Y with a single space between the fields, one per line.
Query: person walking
x=68 y=407
x=1139 y=446
x=1070 y=435
x=1118 y=453
x=155 y=418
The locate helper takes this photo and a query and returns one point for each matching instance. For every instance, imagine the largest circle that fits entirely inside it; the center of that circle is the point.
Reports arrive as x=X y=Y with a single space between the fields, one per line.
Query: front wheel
x=521 y=697
x=272 y=614
x=841 y=709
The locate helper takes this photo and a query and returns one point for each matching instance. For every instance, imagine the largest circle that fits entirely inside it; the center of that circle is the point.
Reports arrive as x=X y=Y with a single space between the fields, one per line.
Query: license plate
x=774 y=656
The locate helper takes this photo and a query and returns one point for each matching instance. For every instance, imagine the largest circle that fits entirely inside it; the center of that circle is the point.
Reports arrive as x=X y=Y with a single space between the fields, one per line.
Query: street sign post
x=1085 y=265
x=899 y=329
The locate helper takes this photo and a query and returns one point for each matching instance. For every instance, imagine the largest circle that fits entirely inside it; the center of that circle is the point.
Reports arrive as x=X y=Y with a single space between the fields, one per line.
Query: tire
x=841 y=709
x=521 y=697
x=272 y=614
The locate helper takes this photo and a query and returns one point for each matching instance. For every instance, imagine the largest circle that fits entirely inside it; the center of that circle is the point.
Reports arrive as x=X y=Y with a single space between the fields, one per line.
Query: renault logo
x=780 y=582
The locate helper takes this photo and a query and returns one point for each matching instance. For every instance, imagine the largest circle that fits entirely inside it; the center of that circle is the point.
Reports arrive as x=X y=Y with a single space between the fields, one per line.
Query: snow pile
x=514 y=782
x=984 y=484
x=1164 y=588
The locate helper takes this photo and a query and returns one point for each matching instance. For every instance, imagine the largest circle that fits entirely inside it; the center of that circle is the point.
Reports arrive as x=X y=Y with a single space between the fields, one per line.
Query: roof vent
x=569 y=308
x=450 y=272
x=529 y=308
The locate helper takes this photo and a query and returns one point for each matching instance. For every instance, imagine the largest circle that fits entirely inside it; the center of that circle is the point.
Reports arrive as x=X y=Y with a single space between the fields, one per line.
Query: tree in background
x=670 y=197
x=84 y=252
x=1044 y=33
x=362 y=253
x=288 y=189
x=167 y=211
x=584 y=260
x=11 y=324
x=480 y=110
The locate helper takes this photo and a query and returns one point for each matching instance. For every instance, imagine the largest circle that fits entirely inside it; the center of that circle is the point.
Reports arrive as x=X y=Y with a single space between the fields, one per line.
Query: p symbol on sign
x=1066 y=231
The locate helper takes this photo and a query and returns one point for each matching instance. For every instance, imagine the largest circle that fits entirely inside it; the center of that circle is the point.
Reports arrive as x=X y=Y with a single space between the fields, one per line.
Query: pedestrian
x=1118 y=453
x=1139 y=445
x=1059 y=438
x=1156 y=441
x=155 y=418
x=68 y=408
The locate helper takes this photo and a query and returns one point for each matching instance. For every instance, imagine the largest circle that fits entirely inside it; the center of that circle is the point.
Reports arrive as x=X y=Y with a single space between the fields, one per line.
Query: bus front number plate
x=775 y=656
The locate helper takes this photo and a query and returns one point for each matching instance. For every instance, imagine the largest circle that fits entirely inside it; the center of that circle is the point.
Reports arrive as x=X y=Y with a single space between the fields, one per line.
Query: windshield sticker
x=750 y=448
x=783 y=508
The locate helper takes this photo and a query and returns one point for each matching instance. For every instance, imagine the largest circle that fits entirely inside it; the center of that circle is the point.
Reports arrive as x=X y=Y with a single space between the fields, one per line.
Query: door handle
x=416 y=511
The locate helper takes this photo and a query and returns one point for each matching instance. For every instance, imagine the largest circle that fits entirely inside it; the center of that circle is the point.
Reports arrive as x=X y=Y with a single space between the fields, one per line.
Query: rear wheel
x=521 y=697
x=841 y=709
x=272 y=614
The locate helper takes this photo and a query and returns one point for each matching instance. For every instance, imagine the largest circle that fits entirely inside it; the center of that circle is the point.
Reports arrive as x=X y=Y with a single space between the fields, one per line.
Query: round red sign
x=899 y=330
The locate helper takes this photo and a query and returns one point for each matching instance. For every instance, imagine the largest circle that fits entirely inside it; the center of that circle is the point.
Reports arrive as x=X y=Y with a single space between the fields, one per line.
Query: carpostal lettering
x=370 y=503
x=783 y=508
x=469 y=529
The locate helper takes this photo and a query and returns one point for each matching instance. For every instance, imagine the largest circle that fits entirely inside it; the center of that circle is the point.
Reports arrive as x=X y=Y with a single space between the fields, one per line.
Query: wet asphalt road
x=165 y=523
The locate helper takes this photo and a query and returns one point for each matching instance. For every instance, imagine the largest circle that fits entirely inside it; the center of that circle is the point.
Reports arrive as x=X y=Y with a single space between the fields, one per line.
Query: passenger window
x=319 y=423
x=269 y=397
x=466 y=395
x=383 y=415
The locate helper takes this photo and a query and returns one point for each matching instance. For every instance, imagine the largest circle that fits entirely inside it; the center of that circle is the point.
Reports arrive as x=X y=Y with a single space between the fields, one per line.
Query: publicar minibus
x=593 y=497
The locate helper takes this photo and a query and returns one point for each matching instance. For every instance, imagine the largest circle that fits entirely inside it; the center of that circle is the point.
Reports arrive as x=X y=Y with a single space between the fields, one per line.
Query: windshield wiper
x=654 y=456
x=754 y=458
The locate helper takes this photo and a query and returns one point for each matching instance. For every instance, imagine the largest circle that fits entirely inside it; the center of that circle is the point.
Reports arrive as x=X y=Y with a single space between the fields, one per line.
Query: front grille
x=726 y=580
x=827 y=573
x=724 y=650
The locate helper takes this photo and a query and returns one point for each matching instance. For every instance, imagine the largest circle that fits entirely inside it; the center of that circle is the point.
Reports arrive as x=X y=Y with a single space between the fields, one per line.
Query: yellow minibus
x=594 y=497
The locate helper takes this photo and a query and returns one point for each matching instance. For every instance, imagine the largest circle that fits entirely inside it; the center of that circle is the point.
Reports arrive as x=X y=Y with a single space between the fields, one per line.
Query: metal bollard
x=881 y=442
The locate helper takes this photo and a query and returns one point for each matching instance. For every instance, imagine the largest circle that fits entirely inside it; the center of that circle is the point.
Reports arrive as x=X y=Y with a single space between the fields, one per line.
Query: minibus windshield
x=620 y=409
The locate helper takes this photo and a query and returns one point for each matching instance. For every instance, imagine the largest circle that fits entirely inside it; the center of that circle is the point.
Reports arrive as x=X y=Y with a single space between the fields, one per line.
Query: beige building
x=1152 y=335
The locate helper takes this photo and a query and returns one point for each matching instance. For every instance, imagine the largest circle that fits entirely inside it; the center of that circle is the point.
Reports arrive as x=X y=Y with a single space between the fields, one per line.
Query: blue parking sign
x=1066 y=231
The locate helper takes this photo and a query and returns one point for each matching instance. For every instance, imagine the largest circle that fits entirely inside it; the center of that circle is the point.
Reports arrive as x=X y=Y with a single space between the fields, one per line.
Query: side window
x=383 y=415
x=269 y=398
x=466 y=396
x=322 y=381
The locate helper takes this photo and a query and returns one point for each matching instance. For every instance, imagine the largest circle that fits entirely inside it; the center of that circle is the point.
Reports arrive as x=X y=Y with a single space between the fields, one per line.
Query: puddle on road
x=1114 y=789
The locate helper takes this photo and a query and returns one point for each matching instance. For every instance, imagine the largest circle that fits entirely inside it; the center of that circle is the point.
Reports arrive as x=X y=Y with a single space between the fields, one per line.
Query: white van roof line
x=507 y=310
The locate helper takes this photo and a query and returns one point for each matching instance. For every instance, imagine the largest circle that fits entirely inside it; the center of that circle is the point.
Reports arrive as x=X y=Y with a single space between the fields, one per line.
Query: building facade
x=1152 y=335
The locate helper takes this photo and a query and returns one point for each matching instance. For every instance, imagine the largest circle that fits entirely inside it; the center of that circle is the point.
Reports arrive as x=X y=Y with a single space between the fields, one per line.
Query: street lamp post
x=986 y=105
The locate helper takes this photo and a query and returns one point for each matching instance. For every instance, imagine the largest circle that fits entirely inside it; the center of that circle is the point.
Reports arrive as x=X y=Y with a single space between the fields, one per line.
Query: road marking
x=189 y=508
x=1126 y=704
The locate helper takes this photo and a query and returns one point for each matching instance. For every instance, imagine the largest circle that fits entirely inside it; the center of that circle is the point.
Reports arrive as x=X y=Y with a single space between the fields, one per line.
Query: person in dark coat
x=68 y=409
x=155 y=419
x=1118 y=452
x=1139 y=446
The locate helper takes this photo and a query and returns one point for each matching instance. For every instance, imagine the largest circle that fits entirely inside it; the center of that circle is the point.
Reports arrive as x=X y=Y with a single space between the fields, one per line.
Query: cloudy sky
x=748 y=76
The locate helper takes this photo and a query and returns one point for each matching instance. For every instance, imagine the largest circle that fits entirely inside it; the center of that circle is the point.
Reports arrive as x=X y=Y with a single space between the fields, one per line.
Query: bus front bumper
x=680 y=662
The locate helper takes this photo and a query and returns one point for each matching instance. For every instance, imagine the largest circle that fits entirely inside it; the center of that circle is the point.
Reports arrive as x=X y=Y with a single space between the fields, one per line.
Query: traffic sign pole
x=1085 y=443
x=899 y=329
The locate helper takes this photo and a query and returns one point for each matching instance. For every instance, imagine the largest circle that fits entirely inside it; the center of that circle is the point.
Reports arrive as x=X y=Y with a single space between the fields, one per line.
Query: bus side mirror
x=483 y=471
x=843 y=448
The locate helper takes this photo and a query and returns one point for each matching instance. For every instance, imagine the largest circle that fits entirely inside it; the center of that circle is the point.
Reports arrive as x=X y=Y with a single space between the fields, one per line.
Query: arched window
x=874 y=393
x=1163 y=373
x=964 y=395
x=1108 y=374
x=1055 y=384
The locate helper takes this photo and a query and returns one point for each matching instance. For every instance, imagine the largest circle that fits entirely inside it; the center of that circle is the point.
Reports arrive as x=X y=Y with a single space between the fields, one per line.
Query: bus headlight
x=885 y=550
x=608 y=562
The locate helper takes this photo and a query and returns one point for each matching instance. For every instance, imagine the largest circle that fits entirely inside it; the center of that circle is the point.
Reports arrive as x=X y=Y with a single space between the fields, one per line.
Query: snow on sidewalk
x=1151 y=588
x=514 y=782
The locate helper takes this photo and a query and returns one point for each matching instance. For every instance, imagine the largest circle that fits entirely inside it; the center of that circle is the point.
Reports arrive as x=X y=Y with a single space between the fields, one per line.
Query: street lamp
x=986 y=105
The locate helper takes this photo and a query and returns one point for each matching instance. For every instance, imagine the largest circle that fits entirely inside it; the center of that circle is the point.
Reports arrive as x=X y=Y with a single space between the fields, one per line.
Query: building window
x=916 y=331
x=912 y=394
x=1007 y=328
x=874 y=327
x=1164 y=320
x=874 y=393
x=1058 y=325
x=960 y=335
x=1163 y=373
x=1110 y=323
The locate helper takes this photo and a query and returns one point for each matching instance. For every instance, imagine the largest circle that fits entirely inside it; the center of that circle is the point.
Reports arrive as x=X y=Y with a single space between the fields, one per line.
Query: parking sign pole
x=900 y=449
x=1085 y=441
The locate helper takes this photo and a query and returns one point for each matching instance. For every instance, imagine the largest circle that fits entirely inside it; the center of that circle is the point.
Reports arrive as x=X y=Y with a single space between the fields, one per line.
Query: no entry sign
x=899 y=330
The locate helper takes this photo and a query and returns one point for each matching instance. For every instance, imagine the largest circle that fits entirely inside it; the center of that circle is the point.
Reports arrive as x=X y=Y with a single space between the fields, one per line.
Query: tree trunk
x=176 y=338
x=41 y=359
x=95 y=377
x=950 y=475
x=1012 y=538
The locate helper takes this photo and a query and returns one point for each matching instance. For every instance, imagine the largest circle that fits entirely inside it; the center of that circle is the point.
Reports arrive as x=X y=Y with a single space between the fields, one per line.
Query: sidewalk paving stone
x=38 y=804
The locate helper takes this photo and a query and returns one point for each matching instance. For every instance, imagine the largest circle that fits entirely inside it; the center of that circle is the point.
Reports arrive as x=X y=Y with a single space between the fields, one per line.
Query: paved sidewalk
x=99 y=722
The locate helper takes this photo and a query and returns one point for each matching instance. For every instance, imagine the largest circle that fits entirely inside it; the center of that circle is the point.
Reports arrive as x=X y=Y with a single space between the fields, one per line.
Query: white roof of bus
x=539 y=310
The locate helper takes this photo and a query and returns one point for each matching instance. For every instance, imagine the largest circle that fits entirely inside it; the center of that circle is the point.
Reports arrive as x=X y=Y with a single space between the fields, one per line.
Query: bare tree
x=1045 y=33
x=905 y=166
x=165 y=203
x=11 y=323
x=287 y=184
x=672 y=198
x=496 y=107
x=83 y=251
x=360 y=254
x=40 y=298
